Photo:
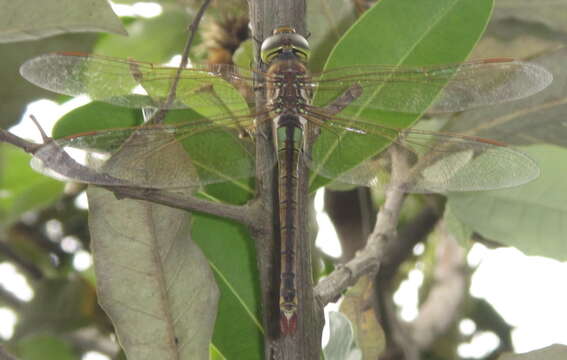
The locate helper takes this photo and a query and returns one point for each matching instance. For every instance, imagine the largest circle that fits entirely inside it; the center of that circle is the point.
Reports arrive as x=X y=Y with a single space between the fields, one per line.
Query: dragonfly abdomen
x=289 y=140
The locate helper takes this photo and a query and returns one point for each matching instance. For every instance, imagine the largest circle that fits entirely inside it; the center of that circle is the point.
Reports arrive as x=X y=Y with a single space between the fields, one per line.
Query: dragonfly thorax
x=287 y=89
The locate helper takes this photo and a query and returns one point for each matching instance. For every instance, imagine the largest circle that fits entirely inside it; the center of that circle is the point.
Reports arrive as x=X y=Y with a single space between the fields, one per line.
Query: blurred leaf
x=356 y=306
x=16 y=96
x=328 y=21
x=397 y=32
x=537 y=119
x=529 y=217
x=21 y=188
x=551 y=13
x=45 y=347
x=553 y=352
x=457 y=228
x=154 y=39
x=59 y=306
x=509 y=38
x=341 y=344
x=243 y=56
x=30 y=20
x=152 y=279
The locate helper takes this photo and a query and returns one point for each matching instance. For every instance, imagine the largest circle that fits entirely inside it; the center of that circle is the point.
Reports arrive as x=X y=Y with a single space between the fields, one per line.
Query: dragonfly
x=322 y=120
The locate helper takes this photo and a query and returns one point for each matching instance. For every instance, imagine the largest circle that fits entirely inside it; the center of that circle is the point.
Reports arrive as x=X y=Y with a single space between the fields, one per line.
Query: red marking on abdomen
x=288 y=326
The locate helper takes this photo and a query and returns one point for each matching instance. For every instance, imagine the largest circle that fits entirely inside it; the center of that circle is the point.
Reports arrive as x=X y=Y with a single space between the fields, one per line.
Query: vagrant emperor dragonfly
x=344 y=148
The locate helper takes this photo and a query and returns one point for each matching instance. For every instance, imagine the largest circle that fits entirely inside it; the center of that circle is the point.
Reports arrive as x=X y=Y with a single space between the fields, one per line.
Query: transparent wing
x=413 y=89
x=438 y=162
x=206 y=152
x=137 y=84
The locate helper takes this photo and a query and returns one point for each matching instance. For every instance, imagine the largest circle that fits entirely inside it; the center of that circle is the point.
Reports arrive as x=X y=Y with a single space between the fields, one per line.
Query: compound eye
x=271 y=47
x=300 y=46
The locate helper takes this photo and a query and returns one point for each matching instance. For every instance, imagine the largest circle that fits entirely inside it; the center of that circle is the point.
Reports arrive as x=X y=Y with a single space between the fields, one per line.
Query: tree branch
x=243 y=214
x=25 y=145
x=367 y=261
x=440 y=309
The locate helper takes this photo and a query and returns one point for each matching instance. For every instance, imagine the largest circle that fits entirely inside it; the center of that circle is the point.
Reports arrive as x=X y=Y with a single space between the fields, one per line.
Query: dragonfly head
x=284 y=43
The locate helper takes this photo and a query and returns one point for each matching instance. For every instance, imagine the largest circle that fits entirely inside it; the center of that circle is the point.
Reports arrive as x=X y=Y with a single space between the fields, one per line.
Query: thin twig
x=25 y=145
x=160 y=115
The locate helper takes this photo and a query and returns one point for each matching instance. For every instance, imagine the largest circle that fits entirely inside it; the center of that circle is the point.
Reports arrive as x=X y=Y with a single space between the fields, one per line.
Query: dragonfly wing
x=446 y=88
x=137 y=84
x=137 y=156
x=438 y=162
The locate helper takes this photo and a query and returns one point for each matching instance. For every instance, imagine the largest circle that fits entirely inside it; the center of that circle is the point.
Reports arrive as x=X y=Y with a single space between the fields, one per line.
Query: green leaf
x=553 y=352
x=396 y=32
x=154 y=39
x=230 y=251
x=217 y=153
x=244 y=56
x=529 y=217
x=96 y=116
x=21 y=188
x=45 y=347
x=328 y=20
x=341 y=339
x=215 y=354
x=31 y=20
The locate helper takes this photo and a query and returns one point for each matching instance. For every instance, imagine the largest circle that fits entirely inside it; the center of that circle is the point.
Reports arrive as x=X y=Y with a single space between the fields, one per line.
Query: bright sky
x=528 y=292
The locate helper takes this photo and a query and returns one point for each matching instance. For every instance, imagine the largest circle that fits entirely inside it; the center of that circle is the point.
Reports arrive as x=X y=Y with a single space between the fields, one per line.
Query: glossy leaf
x=96 y=116
x=400 y=33
x=230 y=251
